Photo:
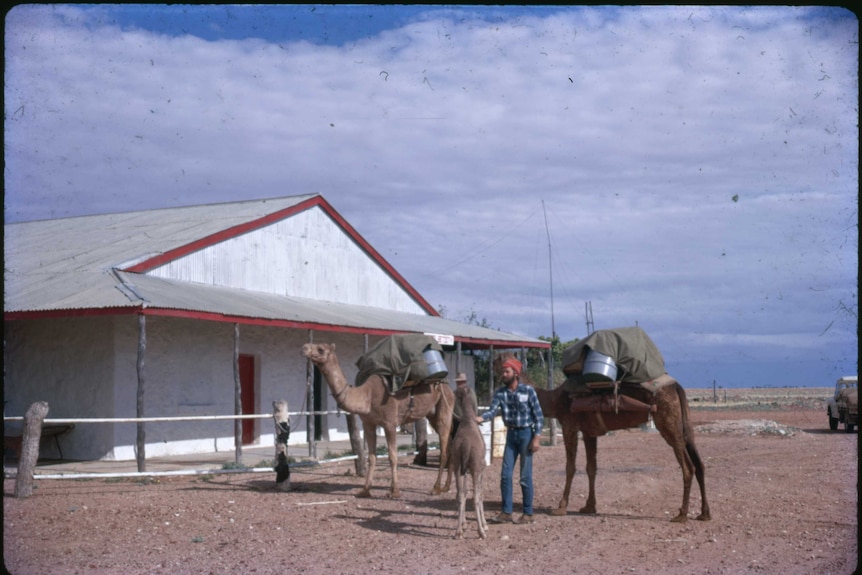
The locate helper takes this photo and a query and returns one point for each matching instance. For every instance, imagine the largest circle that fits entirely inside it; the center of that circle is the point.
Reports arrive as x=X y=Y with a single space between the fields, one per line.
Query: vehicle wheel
x=833 y=423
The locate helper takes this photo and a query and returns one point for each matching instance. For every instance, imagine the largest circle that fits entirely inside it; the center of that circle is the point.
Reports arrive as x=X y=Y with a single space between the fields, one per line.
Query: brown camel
x=375 y=406
x=467 y=455
x=671 y=417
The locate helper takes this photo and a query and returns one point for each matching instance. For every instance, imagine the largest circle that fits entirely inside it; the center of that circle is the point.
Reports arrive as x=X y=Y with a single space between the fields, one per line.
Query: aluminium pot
x=436 y=366
x=599 y=367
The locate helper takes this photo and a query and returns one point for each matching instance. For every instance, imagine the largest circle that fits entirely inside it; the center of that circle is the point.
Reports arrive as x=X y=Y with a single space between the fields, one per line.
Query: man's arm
x=492 y=409
x=538 y=421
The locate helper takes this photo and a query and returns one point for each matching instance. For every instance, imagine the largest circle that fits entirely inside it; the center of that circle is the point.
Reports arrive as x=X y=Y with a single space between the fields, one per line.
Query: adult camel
x=375 y=405
x=672 y=419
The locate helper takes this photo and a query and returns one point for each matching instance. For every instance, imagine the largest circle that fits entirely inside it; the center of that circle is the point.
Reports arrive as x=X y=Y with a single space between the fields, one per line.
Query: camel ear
x=333 y=347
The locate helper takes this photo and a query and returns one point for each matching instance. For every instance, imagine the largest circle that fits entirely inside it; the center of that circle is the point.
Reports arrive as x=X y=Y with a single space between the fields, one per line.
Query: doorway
x=247 y=397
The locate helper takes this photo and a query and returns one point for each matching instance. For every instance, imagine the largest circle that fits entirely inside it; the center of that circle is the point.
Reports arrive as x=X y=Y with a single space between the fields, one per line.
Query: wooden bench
x=12 y=440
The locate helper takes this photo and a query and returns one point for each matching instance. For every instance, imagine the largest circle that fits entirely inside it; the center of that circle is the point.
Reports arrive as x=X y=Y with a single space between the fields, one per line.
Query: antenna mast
x=588 y=312
x=551 y=271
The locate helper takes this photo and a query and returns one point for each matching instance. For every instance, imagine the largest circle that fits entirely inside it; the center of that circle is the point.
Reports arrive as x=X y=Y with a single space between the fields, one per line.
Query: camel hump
x=403 y=358
x=658 y=383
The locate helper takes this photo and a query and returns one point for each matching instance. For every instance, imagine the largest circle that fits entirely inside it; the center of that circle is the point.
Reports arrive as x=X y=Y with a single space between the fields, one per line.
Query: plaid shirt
x=520 y=408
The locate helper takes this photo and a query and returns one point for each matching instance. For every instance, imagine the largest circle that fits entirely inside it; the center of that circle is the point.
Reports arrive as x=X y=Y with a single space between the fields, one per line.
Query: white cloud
x=698 y=165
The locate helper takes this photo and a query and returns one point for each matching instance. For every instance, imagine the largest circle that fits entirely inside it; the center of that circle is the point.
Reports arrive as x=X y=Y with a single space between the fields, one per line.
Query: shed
x=150 y=313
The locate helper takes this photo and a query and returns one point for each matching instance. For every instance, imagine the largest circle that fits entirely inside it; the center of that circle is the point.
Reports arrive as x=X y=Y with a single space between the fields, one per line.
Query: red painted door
x=246 y=384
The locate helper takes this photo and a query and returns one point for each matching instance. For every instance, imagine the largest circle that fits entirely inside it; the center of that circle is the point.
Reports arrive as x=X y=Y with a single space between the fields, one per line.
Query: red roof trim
x=211 y=316
x=226 y=234
x=377 y=257
x=316 y=201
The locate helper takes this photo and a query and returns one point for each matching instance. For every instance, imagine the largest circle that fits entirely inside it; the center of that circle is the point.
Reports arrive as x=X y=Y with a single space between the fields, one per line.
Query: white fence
x=75 y=421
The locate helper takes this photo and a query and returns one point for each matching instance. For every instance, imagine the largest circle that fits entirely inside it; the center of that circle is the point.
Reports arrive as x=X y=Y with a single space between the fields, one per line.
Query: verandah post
x=140 y=442
x=237 y=399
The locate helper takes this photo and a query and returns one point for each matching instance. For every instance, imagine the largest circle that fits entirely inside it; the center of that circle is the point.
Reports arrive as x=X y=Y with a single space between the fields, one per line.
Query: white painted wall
x=189 y=371
x=86 y=368
x=69 y=363
x=306 y=255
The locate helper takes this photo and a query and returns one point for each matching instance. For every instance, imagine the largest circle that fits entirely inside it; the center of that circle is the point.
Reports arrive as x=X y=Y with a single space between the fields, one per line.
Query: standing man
x=523 y=418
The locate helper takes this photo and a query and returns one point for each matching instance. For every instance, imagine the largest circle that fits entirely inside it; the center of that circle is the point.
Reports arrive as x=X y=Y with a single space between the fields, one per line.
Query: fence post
x=282 y=434
x=30 y=448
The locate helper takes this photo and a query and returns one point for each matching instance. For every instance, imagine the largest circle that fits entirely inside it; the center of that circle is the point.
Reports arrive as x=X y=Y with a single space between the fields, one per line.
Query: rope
x=304 y=403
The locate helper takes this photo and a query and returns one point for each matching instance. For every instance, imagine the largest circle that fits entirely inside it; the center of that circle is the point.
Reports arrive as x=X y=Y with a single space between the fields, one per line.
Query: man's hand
x=534 y=445
x=479 y=419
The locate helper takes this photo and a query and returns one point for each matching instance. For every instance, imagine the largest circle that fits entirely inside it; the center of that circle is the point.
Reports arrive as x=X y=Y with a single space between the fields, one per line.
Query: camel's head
x=463 y=399
x=318 y=352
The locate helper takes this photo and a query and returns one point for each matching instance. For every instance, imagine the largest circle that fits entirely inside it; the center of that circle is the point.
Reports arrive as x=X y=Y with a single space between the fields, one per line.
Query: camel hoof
x=704 y=517
x=588 y=510
x=395 y=495
x=364 y=494
x=679 y=519
x=559 y=511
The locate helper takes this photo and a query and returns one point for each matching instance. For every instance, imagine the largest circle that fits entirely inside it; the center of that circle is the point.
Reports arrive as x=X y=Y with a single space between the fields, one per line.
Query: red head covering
x=514 y=364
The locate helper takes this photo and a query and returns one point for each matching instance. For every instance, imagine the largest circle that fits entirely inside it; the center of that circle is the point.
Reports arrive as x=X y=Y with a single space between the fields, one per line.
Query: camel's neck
x=547 y=400
x=345 y=395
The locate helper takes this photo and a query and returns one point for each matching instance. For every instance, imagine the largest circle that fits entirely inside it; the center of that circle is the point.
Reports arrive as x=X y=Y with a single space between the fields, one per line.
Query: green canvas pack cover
x=637 y=357
x=397 y=355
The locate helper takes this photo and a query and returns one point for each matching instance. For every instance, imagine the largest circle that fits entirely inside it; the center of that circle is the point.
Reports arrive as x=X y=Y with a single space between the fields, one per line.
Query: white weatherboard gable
x=306 y=255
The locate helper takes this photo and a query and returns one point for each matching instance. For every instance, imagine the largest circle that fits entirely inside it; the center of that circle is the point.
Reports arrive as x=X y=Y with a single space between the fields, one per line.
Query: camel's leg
x=392 y=445
x=570 y=441
x=700 y=474
x=371 y=439
x=694 y=457
x=671 y=430
x=461 y=487
x=443 y=433
x=591 y=445
x=478 y=503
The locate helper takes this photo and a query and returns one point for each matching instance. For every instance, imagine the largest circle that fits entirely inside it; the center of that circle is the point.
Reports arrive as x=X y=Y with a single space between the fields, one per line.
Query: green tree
x=537 y=367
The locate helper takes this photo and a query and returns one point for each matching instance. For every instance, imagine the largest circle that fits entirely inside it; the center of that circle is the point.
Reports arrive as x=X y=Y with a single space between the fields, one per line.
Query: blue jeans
x=517 y=445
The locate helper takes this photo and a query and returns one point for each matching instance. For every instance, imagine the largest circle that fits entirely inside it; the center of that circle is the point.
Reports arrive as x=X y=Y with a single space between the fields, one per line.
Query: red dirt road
x=782 y=489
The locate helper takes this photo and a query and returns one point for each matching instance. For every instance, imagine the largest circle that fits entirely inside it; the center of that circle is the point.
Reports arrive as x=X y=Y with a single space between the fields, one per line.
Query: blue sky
x=697 y=167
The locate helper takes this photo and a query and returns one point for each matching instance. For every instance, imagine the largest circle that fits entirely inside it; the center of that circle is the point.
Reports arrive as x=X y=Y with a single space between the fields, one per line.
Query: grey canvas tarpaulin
x=637 y=357
x=399 y=356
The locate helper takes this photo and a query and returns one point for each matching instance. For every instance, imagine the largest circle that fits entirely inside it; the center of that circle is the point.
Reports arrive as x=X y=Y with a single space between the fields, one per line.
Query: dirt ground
x=782 y=490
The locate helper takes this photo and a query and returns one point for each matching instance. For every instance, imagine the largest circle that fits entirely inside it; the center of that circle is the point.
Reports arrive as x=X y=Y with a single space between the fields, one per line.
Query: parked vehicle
x=843 y=407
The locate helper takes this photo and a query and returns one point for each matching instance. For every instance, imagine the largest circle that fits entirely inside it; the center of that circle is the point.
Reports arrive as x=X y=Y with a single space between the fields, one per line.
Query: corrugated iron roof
x=73 y=266
x=67 y=263
x=227 y=304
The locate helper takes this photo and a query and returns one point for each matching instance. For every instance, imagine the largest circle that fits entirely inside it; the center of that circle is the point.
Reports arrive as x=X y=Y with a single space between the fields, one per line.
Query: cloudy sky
x=692 y=170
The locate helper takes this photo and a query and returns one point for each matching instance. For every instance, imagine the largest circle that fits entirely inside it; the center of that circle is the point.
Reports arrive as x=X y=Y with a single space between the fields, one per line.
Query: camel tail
x=687 y=430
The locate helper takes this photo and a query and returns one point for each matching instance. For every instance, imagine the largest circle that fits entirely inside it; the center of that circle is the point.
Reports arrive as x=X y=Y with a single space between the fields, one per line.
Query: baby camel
x=467 y=455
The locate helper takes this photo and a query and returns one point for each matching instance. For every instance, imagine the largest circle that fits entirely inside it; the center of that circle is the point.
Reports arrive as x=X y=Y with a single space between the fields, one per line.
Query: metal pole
x=553 y=424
